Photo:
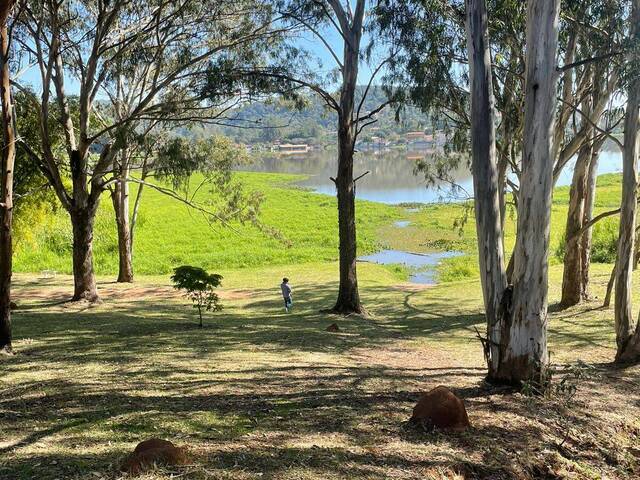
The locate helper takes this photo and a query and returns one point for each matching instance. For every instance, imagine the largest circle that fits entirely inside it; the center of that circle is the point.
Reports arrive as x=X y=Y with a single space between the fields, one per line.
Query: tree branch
x=589 y=60
x=190 y=204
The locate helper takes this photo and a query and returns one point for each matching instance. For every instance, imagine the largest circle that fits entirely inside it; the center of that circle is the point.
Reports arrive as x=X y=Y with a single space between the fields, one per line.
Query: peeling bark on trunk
x=6 y=183
x=573 y=288
x=524 y=342
x=628 y=337
x=120 y=199
x=486 y=179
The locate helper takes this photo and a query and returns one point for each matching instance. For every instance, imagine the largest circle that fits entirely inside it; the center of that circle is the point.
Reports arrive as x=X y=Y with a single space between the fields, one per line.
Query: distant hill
x=262 y=122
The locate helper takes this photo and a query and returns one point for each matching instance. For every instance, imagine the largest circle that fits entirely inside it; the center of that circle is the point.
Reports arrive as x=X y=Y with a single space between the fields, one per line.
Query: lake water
x=402 y=223
x=391 y=178
x=423 y=264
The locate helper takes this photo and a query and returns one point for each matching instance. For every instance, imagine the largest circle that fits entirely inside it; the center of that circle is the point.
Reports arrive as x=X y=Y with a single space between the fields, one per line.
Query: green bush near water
x=458 y=268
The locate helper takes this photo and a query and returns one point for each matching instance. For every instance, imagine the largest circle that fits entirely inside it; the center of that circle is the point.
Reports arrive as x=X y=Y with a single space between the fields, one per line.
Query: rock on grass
x=440 y=408
x=154 y=451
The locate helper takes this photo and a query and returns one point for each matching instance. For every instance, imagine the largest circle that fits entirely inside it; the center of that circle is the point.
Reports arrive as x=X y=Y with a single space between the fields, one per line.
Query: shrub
x=199 y=287
x=604 y=243
x=458 y=268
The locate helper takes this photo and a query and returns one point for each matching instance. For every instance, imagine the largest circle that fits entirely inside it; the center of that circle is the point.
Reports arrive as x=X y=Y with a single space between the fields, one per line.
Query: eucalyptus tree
x=589 y=54
x=588 y=77
x=486 y=180
x=596 y=40
x=515 y=347
x=166 y=164
x=628 y=336
x=31 y=195
x=340 y=28
x=6 y=181
x=85 y=40
x=526 y=355
x=517 y=328
x=131 y=89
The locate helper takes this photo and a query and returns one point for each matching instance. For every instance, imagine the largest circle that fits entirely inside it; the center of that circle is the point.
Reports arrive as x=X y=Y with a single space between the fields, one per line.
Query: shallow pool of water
x=423 y=264
x=402 y=223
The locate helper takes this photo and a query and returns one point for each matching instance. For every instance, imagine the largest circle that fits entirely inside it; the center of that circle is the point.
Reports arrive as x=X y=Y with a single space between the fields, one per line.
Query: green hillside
x=316 y=123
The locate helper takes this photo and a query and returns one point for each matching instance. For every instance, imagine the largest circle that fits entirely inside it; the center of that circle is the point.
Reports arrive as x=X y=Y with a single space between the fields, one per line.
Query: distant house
x=374 y=143
x=291 y=148
x=415 y=136
x=419 y=140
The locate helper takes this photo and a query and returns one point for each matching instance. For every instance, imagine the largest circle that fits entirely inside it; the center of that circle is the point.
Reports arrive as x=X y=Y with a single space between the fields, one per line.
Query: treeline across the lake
x=94 y=92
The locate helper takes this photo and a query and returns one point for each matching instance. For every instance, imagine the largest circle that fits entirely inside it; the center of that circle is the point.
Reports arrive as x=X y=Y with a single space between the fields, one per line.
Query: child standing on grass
x=286 y=294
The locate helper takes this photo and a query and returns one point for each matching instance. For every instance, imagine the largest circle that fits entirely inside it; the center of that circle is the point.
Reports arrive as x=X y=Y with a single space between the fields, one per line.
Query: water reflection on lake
x=391 y=178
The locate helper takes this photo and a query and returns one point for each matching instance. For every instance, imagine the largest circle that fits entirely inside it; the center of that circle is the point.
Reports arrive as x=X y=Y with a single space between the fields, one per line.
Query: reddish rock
x=441 y=408
x=333 y=328
x=154 y=451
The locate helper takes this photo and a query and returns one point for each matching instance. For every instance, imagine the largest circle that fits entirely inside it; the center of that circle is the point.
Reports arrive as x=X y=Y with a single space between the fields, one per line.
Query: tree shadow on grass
x=155 y=374
x=132 y=331
x=119 y=331
x=67 y=466
x=291 y=403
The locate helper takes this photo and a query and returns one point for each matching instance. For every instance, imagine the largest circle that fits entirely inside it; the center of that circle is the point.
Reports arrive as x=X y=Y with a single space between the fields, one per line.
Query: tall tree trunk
x=6 y=183
x=628 y=340
x=82 y=208
x=83 y=274
x=572 y=286
x=524 y=343
x=486 y=178
x=136 y=206
x=610 y=284
x=589 y=204
x=120 y=198
x=348 y=296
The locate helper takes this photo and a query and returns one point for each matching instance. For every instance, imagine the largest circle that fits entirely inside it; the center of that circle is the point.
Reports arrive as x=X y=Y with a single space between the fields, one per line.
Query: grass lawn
x=261 y=394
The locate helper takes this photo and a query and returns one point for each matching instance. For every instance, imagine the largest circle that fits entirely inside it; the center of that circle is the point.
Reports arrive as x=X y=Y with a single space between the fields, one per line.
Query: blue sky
x=307 y=41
